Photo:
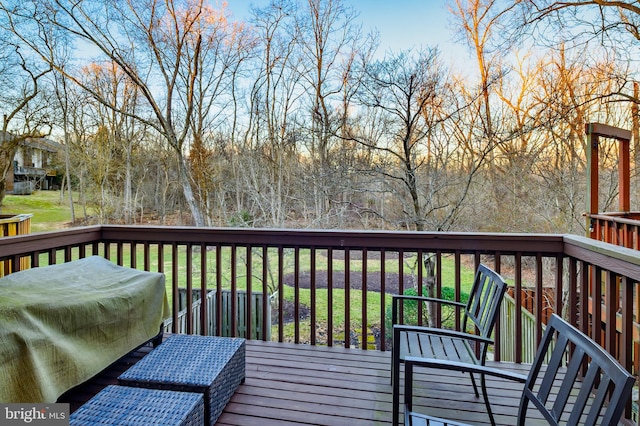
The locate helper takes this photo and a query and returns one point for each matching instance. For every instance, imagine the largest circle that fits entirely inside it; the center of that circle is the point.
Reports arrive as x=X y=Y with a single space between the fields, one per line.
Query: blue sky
x=403 y=24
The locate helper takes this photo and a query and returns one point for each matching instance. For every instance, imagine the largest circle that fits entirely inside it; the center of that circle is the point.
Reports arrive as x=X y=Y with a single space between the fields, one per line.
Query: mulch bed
x=374 y=281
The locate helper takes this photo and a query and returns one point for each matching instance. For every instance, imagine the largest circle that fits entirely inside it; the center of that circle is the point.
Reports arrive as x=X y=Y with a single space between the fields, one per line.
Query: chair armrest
x=397 y=298
x=411 y=362
x=440 y=332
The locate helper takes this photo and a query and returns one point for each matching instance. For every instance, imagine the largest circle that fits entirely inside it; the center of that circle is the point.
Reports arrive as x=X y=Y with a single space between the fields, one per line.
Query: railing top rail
x=342 y=239
x=622 y=260
x=41 y=241
x=618 y=259
x=630 y=218
x=14 y=218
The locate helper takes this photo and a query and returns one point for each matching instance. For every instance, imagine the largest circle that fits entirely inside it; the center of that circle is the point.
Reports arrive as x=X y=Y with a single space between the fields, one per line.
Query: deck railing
x=621 y=229
x=334 y=287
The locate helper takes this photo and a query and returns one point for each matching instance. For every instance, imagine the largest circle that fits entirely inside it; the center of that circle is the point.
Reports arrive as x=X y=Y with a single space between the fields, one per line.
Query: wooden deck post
x=592 y=182
x=593 y=132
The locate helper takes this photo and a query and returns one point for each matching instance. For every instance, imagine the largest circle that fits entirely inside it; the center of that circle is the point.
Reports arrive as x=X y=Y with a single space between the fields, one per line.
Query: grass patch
x=49 y=211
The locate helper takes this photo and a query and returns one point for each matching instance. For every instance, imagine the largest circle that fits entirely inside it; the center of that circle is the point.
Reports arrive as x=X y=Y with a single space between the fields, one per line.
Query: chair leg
x=393 y=362
x=395 y=379
x=483 y=383
x=475 y=387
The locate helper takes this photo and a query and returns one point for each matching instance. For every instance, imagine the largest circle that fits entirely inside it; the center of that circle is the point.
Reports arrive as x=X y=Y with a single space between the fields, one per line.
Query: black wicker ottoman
x=212 y=366
x=126 y=406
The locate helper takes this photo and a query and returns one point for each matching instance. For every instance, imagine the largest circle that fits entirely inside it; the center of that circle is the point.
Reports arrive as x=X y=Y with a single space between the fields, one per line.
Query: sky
x=402 y=24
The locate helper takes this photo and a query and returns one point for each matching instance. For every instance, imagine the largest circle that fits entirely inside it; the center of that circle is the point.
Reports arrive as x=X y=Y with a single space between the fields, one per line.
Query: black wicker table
x=212 y=366
x=126 y=406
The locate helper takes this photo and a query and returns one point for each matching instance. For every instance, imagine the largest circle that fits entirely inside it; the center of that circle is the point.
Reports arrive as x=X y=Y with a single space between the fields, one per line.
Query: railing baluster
x=612 y=301
x=365 y=331
x=312 y=288
x=626 y=334
x=233 y=320
x=401 y=284
x=161 y=258
x=174 y=287
x=146 y=256
x=596 y=304
x=420 y=286
x=120 y=253
x=330 y=296
x=218 y=302
x=204 y=302
x=249 y=303
x=347 y=299
x=189 y=295
x=383 y=297
x=518 y=307
x=573 y=289
x=132 y=254
x=457 y=287
x=438 y=289
x=558 y=293
x=539 y=296
x=280 y=294
x=265 y=297
x=296 y=293
x=584 y=297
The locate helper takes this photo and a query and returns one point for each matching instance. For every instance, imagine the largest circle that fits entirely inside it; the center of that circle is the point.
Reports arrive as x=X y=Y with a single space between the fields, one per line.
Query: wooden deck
x=290 y=384
x=303 y=385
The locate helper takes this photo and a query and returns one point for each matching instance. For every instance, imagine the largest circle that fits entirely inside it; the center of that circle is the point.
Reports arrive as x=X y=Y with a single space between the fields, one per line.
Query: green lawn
x=48 y=210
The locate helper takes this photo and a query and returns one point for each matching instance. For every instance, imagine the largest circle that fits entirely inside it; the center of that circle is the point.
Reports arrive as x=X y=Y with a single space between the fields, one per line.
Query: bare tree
x=64 y=104
x=329 y=39
x=592 y=49
x=22 y=102
x=225 y=47
x=480 y=20
x=601 y=30
x=271 y=140
x=399 y=92
x=157 y=44
x=123 y=133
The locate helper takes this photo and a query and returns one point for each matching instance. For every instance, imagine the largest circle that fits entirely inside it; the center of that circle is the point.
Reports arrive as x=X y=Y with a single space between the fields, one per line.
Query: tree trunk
x=128 y=203
x=196 y=211
x=431 y=287
x=8 y=150
x=67 y=171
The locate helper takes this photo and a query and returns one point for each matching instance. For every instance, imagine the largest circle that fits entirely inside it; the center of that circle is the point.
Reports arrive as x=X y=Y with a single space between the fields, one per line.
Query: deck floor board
x=289 y=385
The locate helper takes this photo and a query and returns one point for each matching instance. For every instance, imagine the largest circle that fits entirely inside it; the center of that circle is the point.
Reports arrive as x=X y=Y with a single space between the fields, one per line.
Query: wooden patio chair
x=558 y=391
x=467 y=347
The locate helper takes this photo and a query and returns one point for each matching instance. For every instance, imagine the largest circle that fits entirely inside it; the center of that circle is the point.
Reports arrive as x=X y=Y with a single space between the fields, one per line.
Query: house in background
x=33 y=166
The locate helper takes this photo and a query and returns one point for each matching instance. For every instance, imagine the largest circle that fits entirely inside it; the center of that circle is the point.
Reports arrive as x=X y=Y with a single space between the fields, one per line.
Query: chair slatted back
x=483 y=306
x=553 y=390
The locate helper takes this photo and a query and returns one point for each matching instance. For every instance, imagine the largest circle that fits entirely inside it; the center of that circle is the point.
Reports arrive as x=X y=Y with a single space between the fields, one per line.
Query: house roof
x=41 y=143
